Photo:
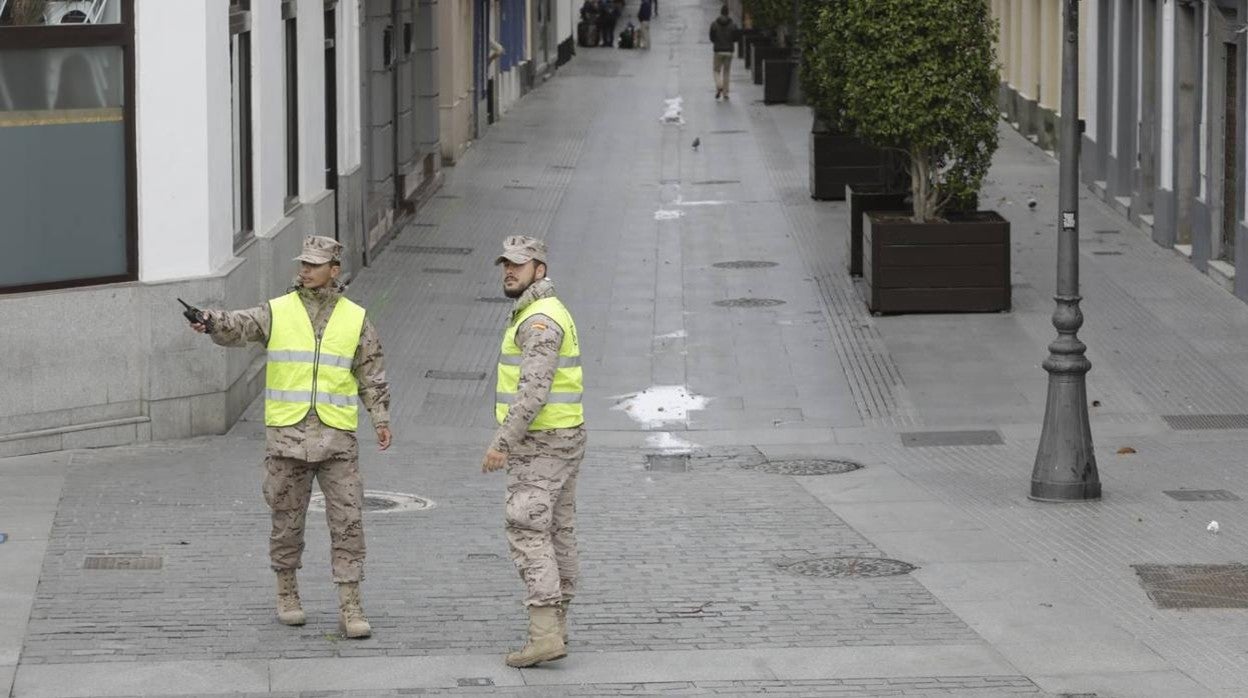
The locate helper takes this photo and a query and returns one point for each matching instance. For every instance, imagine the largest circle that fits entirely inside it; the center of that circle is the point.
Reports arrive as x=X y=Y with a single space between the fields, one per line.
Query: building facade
x=1162 y=102
x=157 y=150
x=152 y=150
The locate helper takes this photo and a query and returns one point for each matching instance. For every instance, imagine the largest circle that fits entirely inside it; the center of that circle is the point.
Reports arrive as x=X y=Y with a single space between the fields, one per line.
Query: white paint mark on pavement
x=667 y=215
x=678 y=334
x=673 y=111
x=660 y=404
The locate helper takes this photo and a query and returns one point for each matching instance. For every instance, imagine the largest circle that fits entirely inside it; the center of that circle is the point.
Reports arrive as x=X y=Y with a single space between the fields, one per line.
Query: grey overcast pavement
x=685 y=588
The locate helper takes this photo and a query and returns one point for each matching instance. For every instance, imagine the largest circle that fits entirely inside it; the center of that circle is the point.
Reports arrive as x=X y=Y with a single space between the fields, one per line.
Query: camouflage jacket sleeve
x=539 y=339
x=235 y=328
x=370 y=374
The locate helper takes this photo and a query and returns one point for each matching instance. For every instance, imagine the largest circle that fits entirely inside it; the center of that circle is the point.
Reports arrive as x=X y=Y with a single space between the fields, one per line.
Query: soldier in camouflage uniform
x=541 y=441
x=309 y=447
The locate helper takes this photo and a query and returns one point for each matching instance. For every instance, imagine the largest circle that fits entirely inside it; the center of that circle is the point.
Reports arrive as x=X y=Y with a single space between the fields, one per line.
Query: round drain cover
x=380 y=502
x=806 y=466
x=749 y=303
x=848 y=567
x=744 y=264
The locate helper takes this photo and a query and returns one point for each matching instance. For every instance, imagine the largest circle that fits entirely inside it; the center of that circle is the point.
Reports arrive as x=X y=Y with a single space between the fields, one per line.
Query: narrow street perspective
x=782 y=492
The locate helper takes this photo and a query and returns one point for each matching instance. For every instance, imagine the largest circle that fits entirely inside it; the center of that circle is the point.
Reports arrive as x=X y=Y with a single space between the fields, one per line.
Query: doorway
x=1187 y=120
x=391 y=151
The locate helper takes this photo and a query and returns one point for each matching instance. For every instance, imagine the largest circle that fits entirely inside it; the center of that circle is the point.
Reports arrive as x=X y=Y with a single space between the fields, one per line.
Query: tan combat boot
x=351 y=620
x=289 y=610
x=545 y=643
x=563 y=620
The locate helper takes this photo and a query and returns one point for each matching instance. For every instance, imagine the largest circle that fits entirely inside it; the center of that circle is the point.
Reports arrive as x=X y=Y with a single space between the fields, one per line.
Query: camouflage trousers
x=541 y=525
x=287 y=489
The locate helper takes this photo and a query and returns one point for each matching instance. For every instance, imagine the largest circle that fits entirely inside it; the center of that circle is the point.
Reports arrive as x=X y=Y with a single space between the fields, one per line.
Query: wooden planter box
x=862 y=199
x=956 y=266
x=761 y=55
x=837 y=159
x=777 y=74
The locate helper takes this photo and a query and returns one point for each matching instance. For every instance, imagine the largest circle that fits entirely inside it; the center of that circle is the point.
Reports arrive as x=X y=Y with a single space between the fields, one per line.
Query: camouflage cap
x=519 y=249
x=318 y=249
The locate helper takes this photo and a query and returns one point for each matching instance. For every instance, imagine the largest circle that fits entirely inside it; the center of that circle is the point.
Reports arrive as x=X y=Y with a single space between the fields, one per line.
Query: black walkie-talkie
x=195 y=315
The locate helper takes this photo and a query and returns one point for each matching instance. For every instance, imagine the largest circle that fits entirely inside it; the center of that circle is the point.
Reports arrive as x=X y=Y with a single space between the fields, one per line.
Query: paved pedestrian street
x=732 y=372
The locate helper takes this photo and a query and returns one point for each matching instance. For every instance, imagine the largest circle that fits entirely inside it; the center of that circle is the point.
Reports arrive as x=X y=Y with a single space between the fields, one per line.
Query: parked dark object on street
x=763 y=54
x=777 y=74
x=752 y=43
x=957 y=265
x=741 y=40
x=861 y=199
x=587 y=34
x=837 y=159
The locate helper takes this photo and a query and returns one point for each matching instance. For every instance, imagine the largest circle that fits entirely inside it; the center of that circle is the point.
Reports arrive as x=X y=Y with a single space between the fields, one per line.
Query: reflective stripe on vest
x=563 y=407
x=303 y=370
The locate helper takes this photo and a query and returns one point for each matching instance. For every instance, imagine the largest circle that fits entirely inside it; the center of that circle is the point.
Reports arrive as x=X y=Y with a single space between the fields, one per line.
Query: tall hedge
x=822 y=63
x=770 y=14
x=921 y=76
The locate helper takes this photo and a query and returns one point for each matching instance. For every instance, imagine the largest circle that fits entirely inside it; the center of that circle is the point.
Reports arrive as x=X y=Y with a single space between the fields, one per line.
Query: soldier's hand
x=199 y=327
x=383 y=438
x=494 y=460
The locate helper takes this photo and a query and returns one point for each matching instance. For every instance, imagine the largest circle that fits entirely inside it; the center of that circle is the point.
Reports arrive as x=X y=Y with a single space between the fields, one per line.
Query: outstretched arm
x=235 y=328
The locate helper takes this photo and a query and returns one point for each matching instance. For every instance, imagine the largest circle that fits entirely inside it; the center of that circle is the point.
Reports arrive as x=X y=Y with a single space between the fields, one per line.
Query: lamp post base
x=1065 y=460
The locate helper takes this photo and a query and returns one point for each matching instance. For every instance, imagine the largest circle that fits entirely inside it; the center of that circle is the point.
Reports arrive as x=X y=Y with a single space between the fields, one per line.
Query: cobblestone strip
x=670 y=561
x=819 y=230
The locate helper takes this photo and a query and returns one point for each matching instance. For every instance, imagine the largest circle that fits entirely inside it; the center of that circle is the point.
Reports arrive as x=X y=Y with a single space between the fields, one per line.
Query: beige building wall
x=1030 y=52
x=455 y=77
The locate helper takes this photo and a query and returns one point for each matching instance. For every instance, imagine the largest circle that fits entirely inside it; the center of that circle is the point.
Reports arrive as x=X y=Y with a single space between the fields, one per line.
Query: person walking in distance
x=541 y=442
x=723 y=39
x=643 y=24
x=322 y=352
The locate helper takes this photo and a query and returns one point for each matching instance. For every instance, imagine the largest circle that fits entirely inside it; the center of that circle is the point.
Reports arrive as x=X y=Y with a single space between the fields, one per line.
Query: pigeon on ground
x=697 y=142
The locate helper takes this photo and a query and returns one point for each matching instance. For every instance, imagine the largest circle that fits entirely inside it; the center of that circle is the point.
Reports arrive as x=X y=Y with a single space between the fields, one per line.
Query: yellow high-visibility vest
x=306 y=370
x=563 y=407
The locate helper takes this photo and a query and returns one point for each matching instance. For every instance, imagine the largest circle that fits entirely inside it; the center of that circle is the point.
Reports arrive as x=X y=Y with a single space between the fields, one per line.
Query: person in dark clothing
x=643 y=22
x=610 y=14
x=723 y=36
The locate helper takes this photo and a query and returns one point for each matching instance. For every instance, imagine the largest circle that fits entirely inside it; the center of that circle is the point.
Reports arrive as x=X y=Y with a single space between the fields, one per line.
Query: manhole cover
x=749 y=303
x=1203 y=495
x=806 y=466
x=744 y=264
x=1195 y=586
x=380 y=502
x=848 y=567
x=122 y=562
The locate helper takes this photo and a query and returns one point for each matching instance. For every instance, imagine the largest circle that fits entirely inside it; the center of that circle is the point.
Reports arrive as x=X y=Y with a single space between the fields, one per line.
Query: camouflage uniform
x=297 y=453
x=542 y=467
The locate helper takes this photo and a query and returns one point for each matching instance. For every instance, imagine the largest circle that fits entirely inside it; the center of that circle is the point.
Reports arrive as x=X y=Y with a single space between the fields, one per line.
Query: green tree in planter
x=921 y=76
x=823 y=60
x=770 y=14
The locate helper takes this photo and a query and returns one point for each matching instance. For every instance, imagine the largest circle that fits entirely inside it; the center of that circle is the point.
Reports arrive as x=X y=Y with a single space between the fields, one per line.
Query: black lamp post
x=1065 y=467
